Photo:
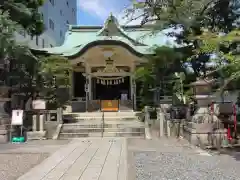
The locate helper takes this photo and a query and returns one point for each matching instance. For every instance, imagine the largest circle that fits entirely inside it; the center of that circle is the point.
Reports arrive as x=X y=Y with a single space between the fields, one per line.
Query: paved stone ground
x=171 y=159
x=84 y=159
x=17 y=159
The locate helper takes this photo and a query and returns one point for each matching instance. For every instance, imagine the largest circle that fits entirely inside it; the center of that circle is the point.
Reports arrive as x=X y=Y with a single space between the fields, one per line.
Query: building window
x=52 y=2
x=37 y=40
x=61 y=12
x=61 y=34
x=67 y=4
x=43 y=43
x=51 y=24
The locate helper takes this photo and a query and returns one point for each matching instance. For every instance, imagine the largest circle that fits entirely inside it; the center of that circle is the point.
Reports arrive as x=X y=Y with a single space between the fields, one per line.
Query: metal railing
x=103 y=124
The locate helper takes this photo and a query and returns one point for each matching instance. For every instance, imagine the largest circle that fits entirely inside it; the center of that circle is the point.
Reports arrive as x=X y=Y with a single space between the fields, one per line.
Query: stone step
x=105 y=134
x=71 y=118
x=77 y=126
x=90 y=130
x=100 y=114
x=109 y=118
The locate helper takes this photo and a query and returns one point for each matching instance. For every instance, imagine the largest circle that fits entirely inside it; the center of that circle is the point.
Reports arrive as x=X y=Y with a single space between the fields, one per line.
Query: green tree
x=19 y=63
x=55 y=80
x=15 y=57
x=205 y=18
x=157 y=74
x=25 y=13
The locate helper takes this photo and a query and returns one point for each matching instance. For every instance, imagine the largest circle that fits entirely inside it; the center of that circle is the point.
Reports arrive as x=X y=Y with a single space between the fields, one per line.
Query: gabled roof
x=137 y=39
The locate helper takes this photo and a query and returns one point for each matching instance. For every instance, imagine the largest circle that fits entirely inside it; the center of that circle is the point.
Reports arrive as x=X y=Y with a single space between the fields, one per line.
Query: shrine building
x=104 y=59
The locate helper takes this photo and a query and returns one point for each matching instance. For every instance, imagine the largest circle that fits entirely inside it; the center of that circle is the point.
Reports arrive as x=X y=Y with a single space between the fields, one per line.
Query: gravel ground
x=17 y=159
x=14 y=165
x=179 y=166
x=172 y=160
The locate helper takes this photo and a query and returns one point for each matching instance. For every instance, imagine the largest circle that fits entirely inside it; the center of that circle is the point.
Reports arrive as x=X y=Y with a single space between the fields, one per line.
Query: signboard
x=109 y=105
x=17 y=117
x=39 y=104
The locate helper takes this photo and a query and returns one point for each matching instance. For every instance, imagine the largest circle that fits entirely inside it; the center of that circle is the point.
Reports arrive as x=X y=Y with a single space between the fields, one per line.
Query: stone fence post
x=59 y=115
x=161 y=119
x=146 y=120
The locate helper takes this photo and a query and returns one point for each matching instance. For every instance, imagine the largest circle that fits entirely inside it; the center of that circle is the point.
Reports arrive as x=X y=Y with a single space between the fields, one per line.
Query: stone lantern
x=4 y=116
x=202 y=92
x=203 y=121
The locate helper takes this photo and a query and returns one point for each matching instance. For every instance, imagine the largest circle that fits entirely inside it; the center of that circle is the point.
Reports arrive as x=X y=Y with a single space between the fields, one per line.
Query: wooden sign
x=109 y=105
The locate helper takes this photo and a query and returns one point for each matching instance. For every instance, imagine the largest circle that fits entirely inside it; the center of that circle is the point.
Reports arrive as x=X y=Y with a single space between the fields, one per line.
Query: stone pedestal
x=38 y=130
x=38 y=121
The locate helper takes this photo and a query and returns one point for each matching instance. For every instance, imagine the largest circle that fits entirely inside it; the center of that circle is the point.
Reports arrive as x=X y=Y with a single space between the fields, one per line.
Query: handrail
x=103 y=123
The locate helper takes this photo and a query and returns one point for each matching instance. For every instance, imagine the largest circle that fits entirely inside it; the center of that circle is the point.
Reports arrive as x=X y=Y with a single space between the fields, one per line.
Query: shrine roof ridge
x=136 y=38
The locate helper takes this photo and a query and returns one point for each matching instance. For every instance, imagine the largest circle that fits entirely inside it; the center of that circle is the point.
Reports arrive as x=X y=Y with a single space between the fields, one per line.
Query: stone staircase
x=123 y=124
x=98 y=115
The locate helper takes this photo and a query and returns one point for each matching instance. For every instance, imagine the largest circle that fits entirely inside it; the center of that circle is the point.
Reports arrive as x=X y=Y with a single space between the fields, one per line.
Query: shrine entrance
x=108 y=74
x=113 y=91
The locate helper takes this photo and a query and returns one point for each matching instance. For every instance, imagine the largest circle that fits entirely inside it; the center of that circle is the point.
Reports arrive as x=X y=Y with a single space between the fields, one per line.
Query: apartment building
x=57 y=14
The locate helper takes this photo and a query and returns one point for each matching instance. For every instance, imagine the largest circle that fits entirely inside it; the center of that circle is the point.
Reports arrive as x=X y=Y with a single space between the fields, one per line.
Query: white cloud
x=132 y=19
x=96 y=7
x=102 y=9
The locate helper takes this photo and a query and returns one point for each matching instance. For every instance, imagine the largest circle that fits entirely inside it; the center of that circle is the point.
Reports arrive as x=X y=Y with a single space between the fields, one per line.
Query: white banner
x=17 y=117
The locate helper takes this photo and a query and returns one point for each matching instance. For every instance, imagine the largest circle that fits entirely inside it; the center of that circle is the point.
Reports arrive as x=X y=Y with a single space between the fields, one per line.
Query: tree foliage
x=192 y=15
x=17 y=59
x=26 y=73
x=159 y=72
x=207 y=27
x=24 y=13
x=55 y=75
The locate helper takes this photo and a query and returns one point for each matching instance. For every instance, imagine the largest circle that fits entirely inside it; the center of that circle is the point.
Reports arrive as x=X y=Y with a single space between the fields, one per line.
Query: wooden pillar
x=133 y=87
x=90 y=87
x=72 y=95
x=133 y=91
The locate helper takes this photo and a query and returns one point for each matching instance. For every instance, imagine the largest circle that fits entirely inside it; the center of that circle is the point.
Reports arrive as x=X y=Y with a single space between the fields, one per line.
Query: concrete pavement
x=84 y=159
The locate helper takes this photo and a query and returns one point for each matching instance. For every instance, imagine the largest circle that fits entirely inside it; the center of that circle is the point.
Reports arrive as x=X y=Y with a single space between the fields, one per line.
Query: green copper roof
x=137 y=39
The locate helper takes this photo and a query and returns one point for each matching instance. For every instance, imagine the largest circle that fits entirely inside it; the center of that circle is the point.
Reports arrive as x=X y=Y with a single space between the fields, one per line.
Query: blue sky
x=94 y=12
